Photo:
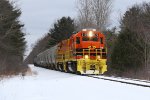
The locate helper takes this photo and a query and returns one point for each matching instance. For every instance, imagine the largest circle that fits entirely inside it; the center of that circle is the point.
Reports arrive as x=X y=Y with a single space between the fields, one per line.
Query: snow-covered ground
x=53 y=85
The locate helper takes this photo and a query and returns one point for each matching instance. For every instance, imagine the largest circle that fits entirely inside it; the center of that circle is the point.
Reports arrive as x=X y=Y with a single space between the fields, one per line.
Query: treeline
x=12 y=41
x=93 y=14
x=62 y=29
x=131 y=54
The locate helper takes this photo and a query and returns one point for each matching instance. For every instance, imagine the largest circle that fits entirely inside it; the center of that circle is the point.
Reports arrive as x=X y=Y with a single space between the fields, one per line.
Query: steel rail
x=113 y=80
x=138 y=80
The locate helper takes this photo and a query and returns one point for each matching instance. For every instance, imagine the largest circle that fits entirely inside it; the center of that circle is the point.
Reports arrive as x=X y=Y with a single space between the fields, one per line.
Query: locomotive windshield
x=89 y=39
x=90 y=36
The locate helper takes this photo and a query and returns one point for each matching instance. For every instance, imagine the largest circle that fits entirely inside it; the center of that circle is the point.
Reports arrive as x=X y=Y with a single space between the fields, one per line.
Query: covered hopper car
x=83 y=53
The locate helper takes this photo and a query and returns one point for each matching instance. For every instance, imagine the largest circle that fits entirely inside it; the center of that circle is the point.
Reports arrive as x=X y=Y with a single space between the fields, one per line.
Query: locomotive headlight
x=90 y=34
x=86 y=56
x=98 y=57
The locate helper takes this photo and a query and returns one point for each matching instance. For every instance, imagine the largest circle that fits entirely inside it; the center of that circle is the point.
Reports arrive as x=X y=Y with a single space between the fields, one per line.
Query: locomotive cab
x=89 y=51
x=89 y=40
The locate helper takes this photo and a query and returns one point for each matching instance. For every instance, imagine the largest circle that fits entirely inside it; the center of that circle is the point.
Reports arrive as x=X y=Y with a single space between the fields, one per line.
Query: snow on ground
x=53 y=85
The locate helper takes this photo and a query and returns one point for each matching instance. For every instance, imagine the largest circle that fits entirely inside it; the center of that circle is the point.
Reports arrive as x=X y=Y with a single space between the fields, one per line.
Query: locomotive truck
x=83 y=53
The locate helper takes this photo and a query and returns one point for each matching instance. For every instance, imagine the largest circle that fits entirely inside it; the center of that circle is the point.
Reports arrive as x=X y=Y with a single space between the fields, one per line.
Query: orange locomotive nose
x=92 y=47
x=89 y=45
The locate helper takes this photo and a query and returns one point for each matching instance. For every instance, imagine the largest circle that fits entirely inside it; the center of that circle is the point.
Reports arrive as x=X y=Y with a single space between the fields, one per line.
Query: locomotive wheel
x=67 y=68
x=71 y=67
x=63 y=70
x=57 y=67
x=61 y=67
x=51 y=67
x=78 y=73
x=74 y=67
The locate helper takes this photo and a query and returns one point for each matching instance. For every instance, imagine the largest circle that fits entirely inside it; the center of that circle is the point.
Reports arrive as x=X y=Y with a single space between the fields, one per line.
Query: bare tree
x=101 y=10
x=40 y=45
x=93 y=13
x=85 y=19
x=146 y=33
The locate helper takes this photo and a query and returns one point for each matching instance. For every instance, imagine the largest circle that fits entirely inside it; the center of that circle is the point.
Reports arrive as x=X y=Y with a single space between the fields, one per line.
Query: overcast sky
x=39 y=15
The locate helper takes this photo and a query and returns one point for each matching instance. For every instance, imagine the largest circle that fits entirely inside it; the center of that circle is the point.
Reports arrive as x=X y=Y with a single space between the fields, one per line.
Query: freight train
x=83 y=53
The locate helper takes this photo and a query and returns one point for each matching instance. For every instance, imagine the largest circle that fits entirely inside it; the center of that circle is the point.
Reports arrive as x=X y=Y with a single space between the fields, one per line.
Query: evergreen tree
x=111 y=37
x=132 y=49
x=125 y=55
x=61 y=30
x=12 y=41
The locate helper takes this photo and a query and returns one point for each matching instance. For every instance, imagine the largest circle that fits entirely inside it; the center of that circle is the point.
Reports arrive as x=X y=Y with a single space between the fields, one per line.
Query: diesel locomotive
x=83 y=53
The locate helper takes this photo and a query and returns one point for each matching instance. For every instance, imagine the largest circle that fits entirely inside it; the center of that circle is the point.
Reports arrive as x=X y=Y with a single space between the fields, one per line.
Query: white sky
x=39 y=15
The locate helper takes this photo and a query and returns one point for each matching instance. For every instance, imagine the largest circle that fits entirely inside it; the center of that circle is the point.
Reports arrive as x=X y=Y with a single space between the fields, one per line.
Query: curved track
x=124 y=80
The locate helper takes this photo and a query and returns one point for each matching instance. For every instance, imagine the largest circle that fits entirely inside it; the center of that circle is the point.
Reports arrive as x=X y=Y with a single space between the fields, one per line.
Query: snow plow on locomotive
x=83 y=53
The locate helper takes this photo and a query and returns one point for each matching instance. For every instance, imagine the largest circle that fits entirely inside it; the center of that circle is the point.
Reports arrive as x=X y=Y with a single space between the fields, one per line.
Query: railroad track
x=138 y=80
x=140 y=83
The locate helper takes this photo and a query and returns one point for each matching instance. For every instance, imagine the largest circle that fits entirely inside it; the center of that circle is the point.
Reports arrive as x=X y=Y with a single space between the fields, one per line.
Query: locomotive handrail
x=90 y=52
x=69 y=55
x=96 y=51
